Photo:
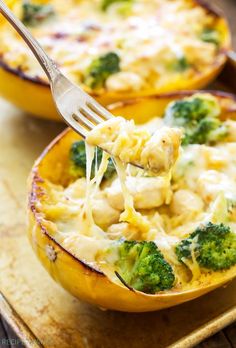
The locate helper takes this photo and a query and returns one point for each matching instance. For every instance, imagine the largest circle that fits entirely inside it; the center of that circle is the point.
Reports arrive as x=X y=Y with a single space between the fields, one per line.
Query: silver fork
x=78 y=109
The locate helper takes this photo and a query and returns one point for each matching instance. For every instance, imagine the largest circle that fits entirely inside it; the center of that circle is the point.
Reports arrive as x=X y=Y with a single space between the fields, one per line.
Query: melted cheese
x=130 y=214
x=147 y=192
x=193 y=264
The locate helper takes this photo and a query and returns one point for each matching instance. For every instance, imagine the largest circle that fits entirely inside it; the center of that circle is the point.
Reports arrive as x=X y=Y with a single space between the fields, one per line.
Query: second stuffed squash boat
x=115 y=49
x=183 y=243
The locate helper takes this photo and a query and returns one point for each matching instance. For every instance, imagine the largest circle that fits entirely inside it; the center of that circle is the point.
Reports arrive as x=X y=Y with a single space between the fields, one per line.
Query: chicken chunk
x=147 y=192
x=122 y=139
x=77 y=189
x=104 y=213
x=212 y=182
x=123 y=230
x=162 y=150
x=186 y=201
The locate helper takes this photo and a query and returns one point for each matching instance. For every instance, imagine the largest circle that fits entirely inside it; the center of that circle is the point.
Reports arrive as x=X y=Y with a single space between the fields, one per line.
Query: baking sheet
x=56 y=318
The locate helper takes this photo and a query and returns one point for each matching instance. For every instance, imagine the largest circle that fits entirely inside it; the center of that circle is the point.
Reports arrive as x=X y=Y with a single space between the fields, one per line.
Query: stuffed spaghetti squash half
x=129 y=239
x=115 y=49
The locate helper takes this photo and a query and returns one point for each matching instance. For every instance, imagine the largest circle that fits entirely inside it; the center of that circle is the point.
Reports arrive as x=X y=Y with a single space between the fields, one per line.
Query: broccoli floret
x=192 y=108
x=210 y=35
x=199 y=116
x=214 y=246
x=141 y=266
x=78 y=161
x=100 y=69
x=108 y=3
x=180 y=64
x=34 y=14
x=208 y=130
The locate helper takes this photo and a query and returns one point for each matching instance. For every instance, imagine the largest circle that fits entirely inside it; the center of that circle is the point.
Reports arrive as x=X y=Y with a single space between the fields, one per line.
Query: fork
x=78 y=109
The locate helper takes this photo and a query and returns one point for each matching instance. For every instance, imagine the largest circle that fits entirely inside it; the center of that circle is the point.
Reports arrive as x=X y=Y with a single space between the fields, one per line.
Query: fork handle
x=46 y=63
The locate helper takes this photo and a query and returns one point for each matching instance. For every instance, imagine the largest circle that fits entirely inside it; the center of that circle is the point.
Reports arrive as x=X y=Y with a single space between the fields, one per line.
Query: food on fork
x=122 y=139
